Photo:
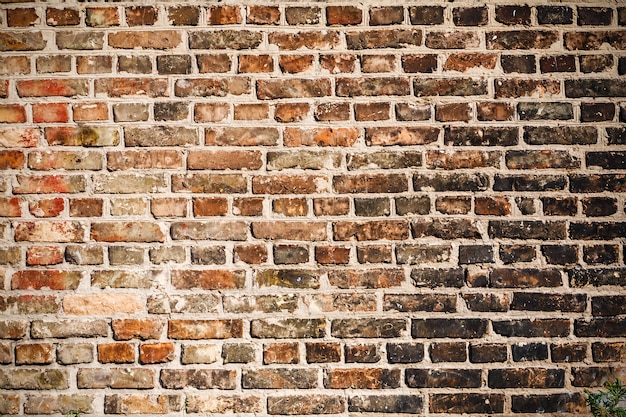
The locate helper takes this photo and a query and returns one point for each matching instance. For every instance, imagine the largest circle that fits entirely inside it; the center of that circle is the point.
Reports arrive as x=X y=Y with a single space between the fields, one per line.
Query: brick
x=383 y=38
x=13 y=65
x=116 y=353
x=53 y=63
x=22 y=41
x=62 y=404
x=69 y=328
x=410 y=404
x=144 y=159
x=204 y=329
x=49 y=231
x=279 y=378
x=34 y=354
x=467 y=403
x=338 y=63
x=224 y=39
x=141 y=15
x=51 y=279
x=307 y=404
x=263 y=15
x=34 y=379
x=148 y=404
x=238 y=353
x=288 y=328
x=372 y=378
x=521 y=64
x=250 y=254
x=426 y=15
x=304 y=39
x=362 y=353
x=209 y=230
x=513 y=15
x=12 y=113
x=343 y=15
x=164 y=39
x=22 y=17
x=465 y=62
x=529 y=377
x=156 y=353
x=45 y=88
x=126 y=232
x=288 y=278
x=207 y=279
x=521 y=39
x=449 y=87
x=127 y=329
x=224 y=404
x=368 y=328
x=94 y=64
x=80 y=41
x=554 y=15
x=116 y=378
x=282 y=353
x=597 y=112
x=451 y=40
x=370 y=278
x=101 y=304
x=242 y=136
x=386 y=15
x=457 y=328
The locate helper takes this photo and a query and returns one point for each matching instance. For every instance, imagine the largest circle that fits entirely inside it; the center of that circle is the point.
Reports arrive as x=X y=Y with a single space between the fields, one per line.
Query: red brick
x=292 y=41
x=49 y=184
x=338 y=63
x=168 y=207
x=44 y=255
x=255 y=63
x=143 y=329
x=250 y=254
x=121 y=87
x=156 y=353
x=285 y=353
x=329 y=255
x=292 y=64
x=22 y=17
x=183 y=15
x=49 y=231
x=289 y=184
x=34 y=354
x=51 y=279
x=11 y=65
x=141 y=15
x=291 y=207
x=10 y=207
x=343 y=15
x=62 y=17
x=204 y=329
x=50 y=113
x=321 y=137
x=85 y=112
x=19 y=137
x=45 y=88
x=263 y=15
x=116 y=353
x=224 y=15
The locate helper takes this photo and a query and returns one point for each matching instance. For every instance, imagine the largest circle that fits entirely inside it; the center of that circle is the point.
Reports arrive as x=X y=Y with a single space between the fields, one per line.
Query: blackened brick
x=455 y=328
x=529 y=352
x=600 y=254
x=549 y=403
x=447 y=352
x=487 y=353
x=595 y=16
x=549 y=302
x=510 y=254
x=521 y=64
x=532 y=328
x=600 y=327
x=568 y=352
x=526 y=378
x=473 y=254
x=555 y=15
x=426 y=15
x=609 y=305
x=443 y=378
x=597 y=277
x=560 y=254
x=470 y=16
x=405 y=352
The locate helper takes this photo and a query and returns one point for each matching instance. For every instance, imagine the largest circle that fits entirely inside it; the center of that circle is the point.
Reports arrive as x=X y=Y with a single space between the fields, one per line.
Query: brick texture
x=311 y=207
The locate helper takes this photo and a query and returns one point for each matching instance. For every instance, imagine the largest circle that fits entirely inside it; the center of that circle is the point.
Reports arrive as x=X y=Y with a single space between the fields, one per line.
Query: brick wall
x=311 y=207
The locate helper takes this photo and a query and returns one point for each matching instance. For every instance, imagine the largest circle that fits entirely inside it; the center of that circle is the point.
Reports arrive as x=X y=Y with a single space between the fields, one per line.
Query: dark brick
x=487 y=353
x=594 y=376
x=558 y=63
x=419 y=63
x=470 y=16
x=545 y=111
x=433 y=278
x=609 y=305
x=279 y=378
x=529 y=229
x=371 y=207
x=445 y=229
x=596 y=277
x=448 y=352
x=513 y=15
x=599 y=63
x=174 y=64
x=600 y=327
x=467 y=402
x=510 y=254
x=426 y=15
x=290 y=254
x=420 y=254
x=599 y=206
x=529 y=182
x=525 y=278
x=526 y=378
x=597 y=112
x=526 y=205
x=522 y=352
x=362 y=353
x=594 y=16
x=597 y=183
x=412 y=112
x=560 y=254
x=443 y=378
x=476 y=136
x=355 y=378
x=608 y=352
x=374 y=254
x=521 y=39
x=473 y=254
x=521 y=64
x=444 y=328
x=451 y=182
x=555 y=15
x=402 y=404
x=549 y=302
x=386 y=15
x=487 y=302
x=595 y=87
x=607 y=160
x=617 y=135
x=532 y=328
x=552 y=206
x=597 y=231
x=600 y=254
x=568 y=352
x=549 y=403
x=405 y=352
x=382 y=38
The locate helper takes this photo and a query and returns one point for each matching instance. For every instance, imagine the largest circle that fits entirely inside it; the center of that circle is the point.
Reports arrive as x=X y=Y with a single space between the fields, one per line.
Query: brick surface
x=311 y=208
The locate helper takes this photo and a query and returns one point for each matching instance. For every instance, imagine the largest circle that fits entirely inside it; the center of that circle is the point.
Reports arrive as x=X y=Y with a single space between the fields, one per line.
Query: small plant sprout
x=609 y=403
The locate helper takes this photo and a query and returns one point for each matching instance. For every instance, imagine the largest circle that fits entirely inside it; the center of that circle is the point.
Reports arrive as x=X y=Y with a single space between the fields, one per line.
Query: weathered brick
x=22 y=41
x=204 y=329
x=383 y=38
x=308 y=404
x=529 y=377
x=451 y=40
x=116 y=378
x=439 y=328
x=148 y=404
x=467 y=403
x=101 y=304
x=34 y=379
x=288 y=328
x=449 y=87
x=209 y=230
x=371 y=378
x=239 y=403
